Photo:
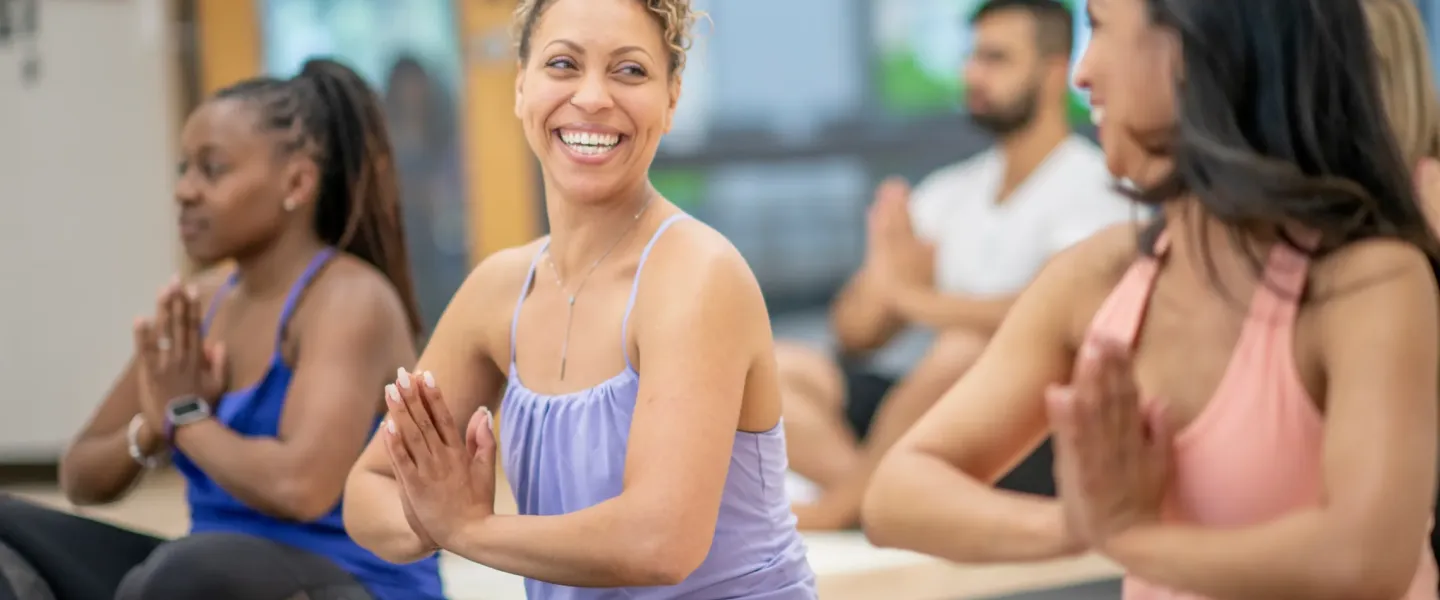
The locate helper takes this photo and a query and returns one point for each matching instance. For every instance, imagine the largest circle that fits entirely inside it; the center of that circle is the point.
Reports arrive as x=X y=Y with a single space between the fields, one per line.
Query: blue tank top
x=564 y=453
x=255 y=412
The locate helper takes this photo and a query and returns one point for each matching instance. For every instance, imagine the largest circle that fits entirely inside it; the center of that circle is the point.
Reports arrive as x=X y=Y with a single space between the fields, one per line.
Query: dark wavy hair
x=1281 y=127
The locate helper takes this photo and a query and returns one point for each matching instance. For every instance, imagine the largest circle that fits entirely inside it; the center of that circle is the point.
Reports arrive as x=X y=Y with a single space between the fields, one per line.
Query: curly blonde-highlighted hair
x=1407 y=81
x=675 y=18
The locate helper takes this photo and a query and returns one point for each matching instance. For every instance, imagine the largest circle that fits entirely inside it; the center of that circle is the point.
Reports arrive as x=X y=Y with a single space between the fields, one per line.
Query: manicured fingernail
x=390 y=425
x=402 y=378
x=489 y=418
x=429 y=380
x=392 y=395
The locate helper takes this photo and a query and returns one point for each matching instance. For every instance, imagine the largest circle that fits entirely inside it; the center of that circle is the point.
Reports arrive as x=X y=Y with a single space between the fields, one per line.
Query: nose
x=186 y=192
x=1084 y=77
x=593 y=93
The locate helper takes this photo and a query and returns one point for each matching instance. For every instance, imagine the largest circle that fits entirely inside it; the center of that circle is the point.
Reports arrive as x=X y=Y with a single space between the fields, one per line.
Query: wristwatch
x=183 y=411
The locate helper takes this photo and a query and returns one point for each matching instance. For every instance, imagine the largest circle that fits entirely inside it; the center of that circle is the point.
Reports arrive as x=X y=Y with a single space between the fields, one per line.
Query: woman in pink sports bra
x=1243 y=392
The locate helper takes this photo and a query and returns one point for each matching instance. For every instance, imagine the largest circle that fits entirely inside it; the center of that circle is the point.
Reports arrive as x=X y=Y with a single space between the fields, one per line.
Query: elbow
x=665 y=558
x=80 y=490
x=304 y=500
x=878 y=510
x=1370 y=574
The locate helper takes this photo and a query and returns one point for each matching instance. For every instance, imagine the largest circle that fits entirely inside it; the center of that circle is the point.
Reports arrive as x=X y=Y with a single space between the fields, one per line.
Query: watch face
x=187 y=408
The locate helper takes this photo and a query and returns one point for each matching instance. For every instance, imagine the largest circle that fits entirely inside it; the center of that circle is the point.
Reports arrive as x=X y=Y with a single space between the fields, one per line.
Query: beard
x=1004 y=120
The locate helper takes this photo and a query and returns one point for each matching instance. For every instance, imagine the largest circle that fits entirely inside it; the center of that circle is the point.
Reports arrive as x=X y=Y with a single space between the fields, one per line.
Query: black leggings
x=83 y=559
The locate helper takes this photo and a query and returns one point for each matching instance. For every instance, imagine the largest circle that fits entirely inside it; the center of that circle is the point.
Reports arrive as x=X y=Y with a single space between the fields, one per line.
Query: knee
x=17 y=574
x=803 y=365
x=955 y=351
x=195 y=566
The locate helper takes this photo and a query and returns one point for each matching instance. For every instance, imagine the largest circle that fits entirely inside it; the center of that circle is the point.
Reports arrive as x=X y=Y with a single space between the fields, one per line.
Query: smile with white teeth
x=589 y=142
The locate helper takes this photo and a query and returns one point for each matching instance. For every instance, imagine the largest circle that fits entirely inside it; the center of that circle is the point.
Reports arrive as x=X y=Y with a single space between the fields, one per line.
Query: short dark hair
x=1054 y=23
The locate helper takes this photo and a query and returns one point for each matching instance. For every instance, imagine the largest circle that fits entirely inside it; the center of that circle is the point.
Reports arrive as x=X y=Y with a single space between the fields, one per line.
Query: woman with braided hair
x=260 y=381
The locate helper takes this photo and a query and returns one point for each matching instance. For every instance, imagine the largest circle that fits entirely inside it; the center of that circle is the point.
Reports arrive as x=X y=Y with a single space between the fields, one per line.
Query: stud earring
x=289 y=205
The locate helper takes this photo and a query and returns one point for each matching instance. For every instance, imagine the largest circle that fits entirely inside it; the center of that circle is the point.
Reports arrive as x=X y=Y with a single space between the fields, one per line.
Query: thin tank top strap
x=293 y=297
x=635 y=285
x=1287 y=270
x=215 y=300
x=525 y=291
x=1121 y=315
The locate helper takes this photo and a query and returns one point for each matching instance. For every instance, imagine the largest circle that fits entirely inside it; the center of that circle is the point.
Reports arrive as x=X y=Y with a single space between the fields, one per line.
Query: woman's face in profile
x=1130 y=69
x=595 y=96
x=231 y=189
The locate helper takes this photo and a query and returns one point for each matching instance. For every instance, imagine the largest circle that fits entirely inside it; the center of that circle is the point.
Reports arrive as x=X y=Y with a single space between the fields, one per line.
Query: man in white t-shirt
x=943 y=263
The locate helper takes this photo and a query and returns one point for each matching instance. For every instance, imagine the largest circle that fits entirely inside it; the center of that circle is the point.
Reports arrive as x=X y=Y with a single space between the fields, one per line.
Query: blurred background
x=780 y=155
x=792 y=112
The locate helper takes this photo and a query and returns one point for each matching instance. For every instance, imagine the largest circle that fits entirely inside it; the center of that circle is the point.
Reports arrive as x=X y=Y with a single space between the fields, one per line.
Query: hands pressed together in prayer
x=1112 y=451
x=446 y=483
x=175 y=360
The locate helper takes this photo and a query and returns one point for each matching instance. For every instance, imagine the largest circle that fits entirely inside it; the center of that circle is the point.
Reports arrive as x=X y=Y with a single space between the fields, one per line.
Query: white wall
x=86 y=217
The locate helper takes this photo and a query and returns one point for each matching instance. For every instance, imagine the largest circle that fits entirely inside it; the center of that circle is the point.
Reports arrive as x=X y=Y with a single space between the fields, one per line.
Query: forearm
x=944 y=311
x=375 y=518
x=255 y=470
x=1293 y=557
x=861 y=316
x=919 y=503
x=99 y=469
x=596 y=547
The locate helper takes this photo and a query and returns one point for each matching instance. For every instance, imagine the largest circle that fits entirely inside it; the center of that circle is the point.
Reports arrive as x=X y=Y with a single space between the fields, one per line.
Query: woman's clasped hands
x=1112 y=453
x=175 y=361
x=447 y=478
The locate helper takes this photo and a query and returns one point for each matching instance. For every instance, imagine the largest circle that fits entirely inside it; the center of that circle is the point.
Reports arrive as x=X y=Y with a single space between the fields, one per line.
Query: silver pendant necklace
x=571 y=296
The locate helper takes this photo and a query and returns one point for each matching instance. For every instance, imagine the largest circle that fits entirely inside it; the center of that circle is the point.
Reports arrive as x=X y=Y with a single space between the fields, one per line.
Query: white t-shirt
x=985 y=248
x=989 y=249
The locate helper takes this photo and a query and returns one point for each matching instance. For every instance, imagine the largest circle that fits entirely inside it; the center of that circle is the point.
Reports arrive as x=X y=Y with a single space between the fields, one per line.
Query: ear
x=301 y=182
x=676 y=83
x=519 y=85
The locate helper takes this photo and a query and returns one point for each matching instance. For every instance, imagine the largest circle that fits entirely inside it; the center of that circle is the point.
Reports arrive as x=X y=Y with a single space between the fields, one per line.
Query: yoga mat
x=1099 y=590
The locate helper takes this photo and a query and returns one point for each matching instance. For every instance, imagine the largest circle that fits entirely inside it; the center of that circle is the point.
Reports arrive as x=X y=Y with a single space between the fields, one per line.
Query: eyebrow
x=574 y=47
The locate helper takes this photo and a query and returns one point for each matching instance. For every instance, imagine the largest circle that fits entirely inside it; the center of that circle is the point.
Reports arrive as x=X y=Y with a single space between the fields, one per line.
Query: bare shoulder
x=350 y=290
x=1076 y=281
x=1374 y=275
x=495 y=283
x=695 y=270
x=692 y=256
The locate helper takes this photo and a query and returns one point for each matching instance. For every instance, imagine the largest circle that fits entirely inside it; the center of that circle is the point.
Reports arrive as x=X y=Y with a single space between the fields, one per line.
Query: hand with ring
x=174 y=359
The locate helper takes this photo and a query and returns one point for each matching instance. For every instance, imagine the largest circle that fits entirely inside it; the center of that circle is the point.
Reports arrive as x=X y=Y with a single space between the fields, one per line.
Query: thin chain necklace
x=571 y=296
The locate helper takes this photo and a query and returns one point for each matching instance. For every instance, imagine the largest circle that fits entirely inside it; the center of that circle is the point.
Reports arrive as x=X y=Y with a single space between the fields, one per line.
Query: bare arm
x=862 y=317
x=457 y=353
x=939 y=310
x=933 y=492
x=696 y=358
x=348 y=350
x=1365 y=539
x=97 y=468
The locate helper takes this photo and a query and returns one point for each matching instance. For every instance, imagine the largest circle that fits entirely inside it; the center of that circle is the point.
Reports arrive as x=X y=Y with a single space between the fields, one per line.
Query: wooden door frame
x=500 y=171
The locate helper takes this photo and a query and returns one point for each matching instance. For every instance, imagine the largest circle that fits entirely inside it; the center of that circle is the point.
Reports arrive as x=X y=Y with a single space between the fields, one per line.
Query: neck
x=1204 y=247
x=1026 y=148
x=274 y=267
x=582 y=232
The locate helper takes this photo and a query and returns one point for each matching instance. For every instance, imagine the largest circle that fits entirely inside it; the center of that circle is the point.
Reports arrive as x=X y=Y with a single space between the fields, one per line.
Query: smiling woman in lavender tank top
x=628 y=354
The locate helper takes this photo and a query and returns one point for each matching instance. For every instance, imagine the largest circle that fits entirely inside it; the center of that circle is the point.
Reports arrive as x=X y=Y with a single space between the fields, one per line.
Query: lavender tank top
x=564 y=453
